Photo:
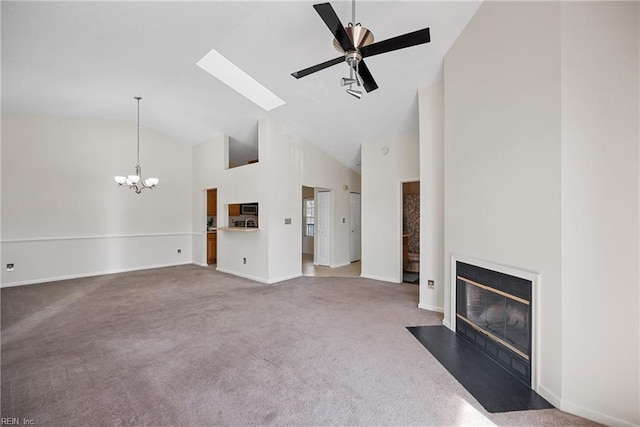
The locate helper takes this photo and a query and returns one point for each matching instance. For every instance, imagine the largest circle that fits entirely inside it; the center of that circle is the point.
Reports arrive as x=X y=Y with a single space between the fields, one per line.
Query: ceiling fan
x=355 y=42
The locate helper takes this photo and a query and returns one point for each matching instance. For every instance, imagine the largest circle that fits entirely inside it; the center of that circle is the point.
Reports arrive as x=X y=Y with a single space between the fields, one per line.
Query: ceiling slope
x=89 y=59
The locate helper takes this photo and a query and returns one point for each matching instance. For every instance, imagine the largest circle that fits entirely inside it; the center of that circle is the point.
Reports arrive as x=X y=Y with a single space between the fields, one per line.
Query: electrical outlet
x=244 y=260
x=430 y=284
x=10 y=267
x=179 y=251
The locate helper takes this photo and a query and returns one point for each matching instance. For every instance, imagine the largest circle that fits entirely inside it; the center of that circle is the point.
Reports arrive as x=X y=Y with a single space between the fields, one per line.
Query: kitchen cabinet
x=234 y=210
x=212 y=247
x=212 y=202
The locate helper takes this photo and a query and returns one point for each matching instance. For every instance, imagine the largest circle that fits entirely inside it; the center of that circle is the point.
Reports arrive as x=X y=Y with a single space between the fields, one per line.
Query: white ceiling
x=89 y=59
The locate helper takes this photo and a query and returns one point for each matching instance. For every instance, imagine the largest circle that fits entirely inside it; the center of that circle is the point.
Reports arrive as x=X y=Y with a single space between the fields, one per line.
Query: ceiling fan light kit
x=356 y=42
x=356 y=93
x=345 y=81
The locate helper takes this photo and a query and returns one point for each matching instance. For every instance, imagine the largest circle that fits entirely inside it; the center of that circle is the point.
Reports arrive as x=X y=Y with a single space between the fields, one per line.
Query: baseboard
x=551 y=397
x=243 y=275
x=575 y=409
x=431 y=308
x=80 y=276
x=447 y=324
x=599 y=417
x=383 y=279
x=339 y=265
x=283 y=278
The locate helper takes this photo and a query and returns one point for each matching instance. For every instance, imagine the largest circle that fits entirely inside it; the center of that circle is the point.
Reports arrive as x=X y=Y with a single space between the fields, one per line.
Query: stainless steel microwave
x=249 y=209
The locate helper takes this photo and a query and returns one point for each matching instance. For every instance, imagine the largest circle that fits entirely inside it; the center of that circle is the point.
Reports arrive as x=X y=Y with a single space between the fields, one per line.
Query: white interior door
x=323 y=230
x=355 y=247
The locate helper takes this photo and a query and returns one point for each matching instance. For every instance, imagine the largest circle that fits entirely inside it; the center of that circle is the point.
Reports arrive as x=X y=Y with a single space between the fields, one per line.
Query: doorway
x=212 y=228
x=411 y=232
x=316 y=235
x=355 y=246
x=308 y=227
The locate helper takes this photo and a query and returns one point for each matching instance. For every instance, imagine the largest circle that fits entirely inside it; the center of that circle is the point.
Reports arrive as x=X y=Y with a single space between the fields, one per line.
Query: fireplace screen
x=504 y=318
x=493 y=311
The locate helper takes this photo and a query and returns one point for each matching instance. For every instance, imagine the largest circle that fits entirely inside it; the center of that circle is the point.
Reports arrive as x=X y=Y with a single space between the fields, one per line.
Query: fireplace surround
x=493 y=308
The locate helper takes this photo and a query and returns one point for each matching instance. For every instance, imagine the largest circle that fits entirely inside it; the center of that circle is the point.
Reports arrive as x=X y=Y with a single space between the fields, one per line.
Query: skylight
x=229 y=73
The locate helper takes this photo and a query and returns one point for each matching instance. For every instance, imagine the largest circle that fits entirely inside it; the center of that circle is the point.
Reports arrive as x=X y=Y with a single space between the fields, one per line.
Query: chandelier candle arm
x=136 y=182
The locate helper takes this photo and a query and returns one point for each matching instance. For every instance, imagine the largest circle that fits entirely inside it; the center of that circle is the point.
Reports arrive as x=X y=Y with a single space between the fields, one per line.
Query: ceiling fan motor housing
x=360 y=36
x=353 y=58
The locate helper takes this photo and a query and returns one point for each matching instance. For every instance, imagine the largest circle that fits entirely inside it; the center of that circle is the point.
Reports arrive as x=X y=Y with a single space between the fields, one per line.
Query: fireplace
x=494 y=312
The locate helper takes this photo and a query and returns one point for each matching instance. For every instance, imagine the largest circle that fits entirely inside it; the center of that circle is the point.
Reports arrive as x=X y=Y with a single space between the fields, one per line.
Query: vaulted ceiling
x=89 y=59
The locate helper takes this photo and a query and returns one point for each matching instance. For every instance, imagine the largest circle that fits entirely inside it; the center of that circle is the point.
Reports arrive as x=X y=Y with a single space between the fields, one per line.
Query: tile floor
x=308 y=269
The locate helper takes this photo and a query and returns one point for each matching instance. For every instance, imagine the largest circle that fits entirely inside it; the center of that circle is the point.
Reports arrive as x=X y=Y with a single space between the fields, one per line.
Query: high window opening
x=242 y=153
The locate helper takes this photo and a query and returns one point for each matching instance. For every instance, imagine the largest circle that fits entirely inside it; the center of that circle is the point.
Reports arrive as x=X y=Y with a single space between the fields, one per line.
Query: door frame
x=400 y=231
x=351 y=227
x=204 y=244
x=316 y=240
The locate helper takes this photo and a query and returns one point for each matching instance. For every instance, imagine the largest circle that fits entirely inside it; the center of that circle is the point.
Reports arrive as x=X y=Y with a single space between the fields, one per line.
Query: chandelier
x=136 y=182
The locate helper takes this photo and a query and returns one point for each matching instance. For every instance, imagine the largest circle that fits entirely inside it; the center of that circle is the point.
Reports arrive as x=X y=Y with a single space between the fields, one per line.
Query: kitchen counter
x=239 y=229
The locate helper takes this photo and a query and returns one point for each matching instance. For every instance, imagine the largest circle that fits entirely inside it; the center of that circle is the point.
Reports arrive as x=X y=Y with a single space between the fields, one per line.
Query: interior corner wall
x=502 y=157
x=382 y=175
x=431 y=119
x=245 y=184
x=63 y=216
x=292 y=162
x=600 y=214
x=283 y=161
x=286 y=163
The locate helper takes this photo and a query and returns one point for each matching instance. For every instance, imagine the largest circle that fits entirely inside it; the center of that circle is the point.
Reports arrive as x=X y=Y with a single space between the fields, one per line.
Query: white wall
x=294 y=162
x=284 y=160
x=63 y=215
x=541 y=174
x=600 y=196
x=237 y=185
x=431 y=118
x=502 y=156
x=382 y=177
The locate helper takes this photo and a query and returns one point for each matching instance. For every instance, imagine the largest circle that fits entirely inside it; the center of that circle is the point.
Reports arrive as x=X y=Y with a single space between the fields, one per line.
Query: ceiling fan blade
x=367 y=79
x=330 y=18
x=318 y=67
x=395 y=43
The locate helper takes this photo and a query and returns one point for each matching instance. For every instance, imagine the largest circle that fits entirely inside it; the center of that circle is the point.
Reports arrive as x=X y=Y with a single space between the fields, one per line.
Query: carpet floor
x=190 y=346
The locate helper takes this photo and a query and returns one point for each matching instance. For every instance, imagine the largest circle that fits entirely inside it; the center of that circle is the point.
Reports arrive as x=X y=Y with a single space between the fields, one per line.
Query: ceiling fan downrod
x=359 y=35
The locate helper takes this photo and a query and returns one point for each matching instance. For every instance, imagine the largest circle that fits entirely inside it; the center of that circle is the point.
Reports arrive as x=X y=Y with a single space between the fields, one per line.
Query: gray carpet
x=190 y=346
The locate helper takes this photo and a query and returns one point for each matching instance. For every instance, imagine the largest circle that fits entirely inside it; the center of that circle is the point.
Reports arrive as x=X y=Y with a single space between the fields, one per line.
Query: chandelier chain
x=138 y=98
